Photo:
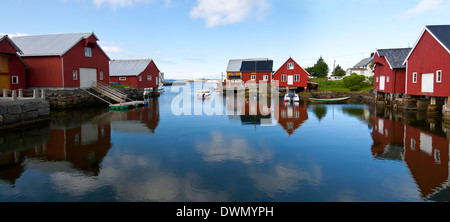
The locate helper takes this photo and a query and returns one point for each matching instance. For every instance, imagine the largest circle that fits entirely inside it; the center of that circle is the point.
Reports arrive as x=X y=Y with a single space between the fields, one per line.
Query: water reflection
x=419 y=141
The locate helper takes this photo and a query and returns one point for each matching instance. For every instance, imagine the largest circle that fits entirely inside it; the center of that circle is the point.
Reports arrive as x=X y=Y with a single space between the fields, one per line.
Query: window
x=149 y=78
x=253 y=77
x=439 y=76
x=414 y=77
x=290 y=65
x=15 y=79
x=75 y=74
x=101 y=75
x=297 y=78
x=387 y=79
x=122 y=78
x=283 y=78
x=377 y=79
x=140 y=78
x=266 y=77
x=87 y=52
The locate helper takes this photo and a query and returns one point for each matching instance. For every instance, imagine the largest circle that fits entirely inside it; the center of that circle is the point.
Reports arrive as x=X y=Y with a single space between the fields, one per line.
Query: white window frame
x=122 y=78
x=87 y=52
x=140 y=78
x=414 y=77
x=253 y=77
x=149 y=78
x=439 y=76
x=283 y=78
x=75 y=74
x=15 y=79
x=101 y=75
x=296 y=78
x=376 y=79
x=290 y=66
x=387 y=78
x=265 y=78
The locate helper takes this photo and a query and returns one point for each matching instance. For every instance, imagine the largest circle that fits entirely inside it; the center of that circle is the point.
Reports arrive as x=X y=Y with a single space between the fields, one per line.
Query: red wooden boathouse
x=71 y=60
x=139 y=73
x=12 y=66
x=428 y=63
x=291 y=75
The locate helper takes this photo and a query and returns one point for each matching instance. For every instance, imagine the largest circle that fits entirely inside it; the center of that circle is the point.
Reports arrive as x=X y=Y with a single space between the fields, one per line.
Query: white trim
x=406 y=78
x=418 y=40
x=439 y=77
x=12 y=80
x=414 y=76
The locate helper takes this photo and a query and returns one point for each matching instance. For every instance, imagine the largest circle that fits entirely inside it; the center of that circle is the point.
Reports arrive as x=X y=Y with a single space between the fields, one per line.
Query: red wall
x=247 y=76
x=428 y=57
x=6 y=47
x=44 y=71
x=17 y=68
x=396 y=82
x=131 y=80
x=283 y=70
x=75 y=59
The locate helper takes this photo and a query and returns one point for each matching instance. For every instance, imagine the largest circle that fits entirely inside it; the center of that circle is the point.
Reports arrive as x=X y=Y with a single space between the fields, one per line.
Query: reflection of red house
x=148 y=115
x=64 y=60
x=12 y=66
x=139 y=73
x=291 y=116
x=387 y=135
x=84 y=146
x=427 y=156
x=291 y=74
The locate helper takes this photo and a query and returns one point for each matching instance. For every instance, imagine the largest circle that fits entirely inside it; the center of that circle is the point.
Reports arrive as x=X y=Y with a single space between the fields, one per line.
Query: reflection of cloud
x=137 y=178
x=284 y=178
x=230 y=147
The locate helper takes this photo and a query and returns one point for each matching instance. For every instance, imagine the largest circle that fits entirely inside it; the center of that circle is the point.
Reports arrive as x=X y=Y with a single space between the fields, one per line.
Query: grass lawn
x=336 y=86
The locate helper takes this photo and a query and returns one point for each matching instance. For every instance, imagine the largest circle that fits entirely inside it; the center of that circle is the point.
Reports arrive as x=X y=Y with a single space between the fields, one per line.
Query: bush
x=354 y=82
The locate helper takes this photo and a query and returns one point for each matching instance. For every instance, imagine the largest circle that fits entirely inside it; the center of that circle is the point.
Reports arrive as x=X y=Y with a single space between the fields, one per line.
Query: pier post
x=35 y=93
x=42 y=94
x=5 y=93
x=20 y=94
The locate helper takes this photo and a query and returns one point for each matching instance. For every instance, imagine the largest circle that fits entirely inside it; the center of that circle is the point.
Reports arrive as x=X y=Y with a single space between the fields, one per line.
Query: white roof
x=128 y=67
x=234 y=65
x=49 y=45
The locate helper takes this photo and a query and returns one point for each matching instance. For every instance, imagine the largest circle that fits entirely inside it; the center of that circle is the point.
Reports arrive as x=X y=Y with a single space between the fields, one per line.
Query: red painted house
x=259 y=71
x=139 y=73
x=64 y=60
x=389 y=71
x=291 y=75
x=12 y=66
x=428 y=63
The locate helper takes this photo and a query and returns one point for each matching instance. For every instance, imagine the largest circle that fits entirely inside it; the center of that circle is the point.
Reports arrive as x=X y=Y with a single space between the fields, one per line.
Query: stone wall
x=23 y=112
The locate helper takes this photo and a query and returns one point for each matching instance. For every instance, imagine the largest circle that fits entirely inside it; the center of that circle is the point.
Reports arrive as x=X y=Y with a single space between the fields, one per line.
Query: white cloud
x=423 y=7
x=120 y=3
x=110 y=47
x=224 y=12
x=14 y=34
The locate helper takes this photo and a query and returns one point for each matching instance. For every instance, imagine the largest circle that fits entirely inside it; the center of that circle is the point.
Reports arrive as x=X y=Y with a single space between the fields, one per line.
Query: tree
x=320 y=69
x=354 y=82
x=338 y=71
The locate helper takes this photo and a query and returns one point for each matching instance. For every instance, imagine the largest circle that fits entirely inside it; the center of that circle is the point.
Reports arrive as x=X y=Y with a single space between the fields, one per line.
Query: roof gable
x=284 y=66
x=49 y=45
x=128 y=67
x=439 y=32
x=395 y=57
x=6 y=38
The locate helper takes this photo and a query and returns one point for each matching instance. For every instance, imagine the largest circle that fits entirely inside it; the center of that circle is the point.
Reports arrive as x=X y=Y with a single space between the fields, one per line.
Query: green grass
x=335 y=86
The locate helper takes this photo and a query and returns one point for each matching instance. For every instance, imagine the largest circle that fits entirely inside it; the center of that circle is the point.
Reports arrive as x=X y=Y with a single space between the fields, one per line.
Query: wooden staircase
x=110 y=92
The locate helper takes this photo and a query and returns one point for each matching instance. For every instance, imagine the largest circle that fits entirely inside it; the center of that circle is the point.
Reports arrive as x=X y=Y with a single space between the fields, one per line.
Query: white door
x=428 y=82
x=382 y=82
x=87 y=76
x=290 y=80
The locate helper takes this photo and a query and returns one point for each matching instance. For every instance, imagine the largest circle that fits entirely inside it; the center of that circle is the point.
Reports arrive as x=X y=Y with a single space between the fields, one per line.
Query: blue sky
x=196 y=38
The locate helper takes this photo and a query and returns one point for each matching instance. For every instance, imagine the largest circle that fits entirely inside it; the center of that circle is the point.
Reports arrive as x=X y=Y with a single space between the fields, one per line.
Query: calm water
x=320 y=153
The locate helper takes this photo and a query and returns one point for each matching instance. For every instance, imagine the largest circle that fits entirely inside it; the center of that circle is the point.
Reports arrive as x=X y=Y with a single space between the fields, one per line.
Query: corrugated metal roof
x=395 y=57
x=131 y=67
x=49 y=45
x=234 y=65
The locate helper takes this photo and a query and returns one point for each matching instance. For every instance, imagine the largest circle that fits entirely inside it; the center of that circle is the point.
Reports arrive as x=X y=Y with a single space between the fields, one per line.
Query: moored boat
x=330 y=100
x=291 y=97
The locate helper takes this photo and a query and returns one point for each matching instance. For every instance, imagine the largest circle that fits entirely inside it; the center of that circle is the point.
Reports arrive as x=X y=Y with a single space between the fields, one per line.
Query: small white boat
x=203 y=93
x=291 y=97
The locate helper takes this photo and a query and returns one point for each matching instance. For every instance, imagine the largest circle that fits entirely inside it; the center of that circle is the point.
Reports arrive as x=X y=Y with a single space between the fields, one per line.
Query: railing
x=20 y=94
